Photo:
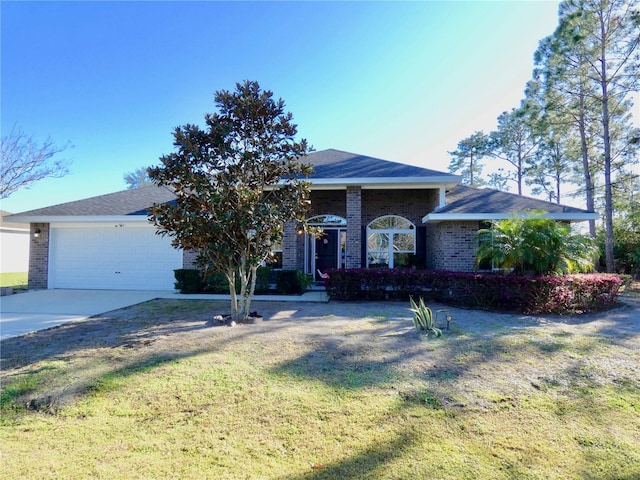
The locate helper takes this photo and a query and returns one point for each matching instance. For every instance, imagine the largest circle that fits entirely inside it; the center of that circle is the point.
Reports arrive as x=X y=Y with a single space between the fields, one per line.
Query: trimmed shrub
x=522 y=293
x=188 y=280
x=191 y=281
x=291 y=282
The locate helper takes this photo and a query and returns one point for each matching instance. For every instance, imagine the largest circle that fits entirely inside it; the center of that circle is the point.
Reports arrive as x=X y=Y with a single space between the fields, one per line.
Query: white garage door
x=123 y=257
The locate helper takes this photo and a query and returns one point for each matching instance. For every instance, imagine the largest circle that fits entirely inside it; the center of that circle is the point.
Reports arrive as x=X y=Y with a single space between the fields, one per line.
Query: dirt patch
x=485 y=359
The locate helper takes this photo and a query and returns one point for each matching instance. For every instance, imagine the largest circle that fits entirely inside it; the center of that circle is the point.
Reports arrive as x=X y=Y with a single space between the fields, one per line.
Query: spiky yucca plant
x=424 y=320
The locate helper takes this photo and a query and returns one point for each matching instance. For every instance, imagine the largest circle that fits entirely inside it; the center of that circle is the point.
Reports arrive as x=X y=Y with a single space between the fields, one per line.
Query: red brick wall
x=328 y=202
x=39 y=256
x=411 y=204
x=452 y=245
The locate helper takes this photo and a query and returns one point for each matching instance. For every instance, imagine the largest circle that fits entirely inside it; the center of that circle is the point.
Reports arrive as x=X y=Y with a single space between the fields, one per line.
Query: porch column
x=39 y=256
x=292 y=248
x=354 y=227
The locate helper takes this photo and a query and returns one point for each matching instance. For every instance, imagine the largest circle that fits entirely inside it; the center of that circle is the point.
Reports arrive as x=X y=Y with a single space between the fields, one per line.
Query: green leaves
x=535 y=244
x=242 y=173
x=423 y=319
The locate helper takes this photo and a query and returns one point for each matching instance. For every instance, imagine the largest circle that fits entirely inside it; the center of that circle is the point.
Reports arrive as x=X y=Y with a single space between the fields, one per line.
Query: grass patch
x=317 y=395
x=14 y=279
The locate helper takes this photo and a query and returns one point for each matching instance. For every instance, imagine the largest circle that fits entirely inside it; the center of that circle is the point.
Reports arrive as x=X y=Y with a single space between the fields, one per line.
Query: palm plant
x=535 y=244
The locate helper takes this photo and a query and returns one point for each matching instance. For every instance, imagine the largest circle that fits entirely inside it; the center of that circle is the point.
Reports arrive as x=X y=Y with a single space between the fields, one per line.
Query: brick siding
x=189 y=258
x=411 y=204
x=39 y=256
x=353 y=253
x=452 y=246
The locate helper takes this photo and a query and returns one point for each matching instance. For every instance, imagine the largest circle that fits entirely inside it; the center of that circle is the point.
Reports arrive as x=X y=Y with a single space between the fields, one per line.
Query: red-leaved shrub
x=522 y=293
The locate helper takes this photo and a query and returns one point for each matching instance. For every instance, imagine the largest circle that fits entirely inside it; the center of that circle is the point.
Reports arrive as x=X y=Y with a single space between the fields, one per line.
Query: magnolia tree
x=237 y=182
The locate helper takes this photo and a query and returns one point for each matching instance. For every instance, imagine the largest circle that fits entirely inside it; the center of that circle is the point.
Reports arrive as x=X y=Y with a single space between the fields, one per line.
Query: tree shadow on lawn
x=362 y=464
x=129 y=327
x=344 y=345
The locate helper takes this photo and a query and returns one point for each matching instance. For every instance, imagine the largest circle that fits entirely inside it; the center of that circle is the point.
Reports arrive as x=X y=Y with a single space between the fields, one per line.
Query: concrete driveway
x=39 y=309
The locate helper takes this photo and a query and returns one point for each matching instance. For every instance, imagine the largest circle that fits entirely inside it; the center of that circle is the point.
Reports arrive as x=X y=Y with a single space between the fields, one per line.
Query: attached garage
x=112 y=256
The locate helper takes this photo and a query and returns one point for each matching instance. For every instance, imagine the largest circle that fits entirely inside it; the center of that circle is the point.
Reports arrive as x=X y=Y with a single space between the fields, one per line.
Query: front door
x=326 y=252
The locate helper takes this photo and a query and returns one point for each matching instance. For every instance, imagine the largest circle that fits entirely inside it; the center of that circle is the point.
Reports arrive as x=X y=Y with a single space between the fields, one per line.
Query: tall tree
x=558 y=103
x=513 y=143
x=137 y=178
x=466 y=158
x=26 y=161
x=237 y=183
x=605 y=34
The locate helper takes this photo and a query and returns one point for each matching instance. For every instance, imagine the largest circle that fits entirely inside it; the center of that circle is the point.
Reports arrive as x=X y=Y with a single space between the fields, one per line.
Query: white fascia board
x=568 y=217
x=79 y=218
x=448 y=181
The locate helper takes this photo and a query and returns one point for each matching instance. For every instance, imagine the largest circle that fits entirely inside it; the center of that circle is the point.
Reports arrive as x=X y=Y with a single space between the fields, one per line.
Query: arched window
x=327 y=221
x=391 y=241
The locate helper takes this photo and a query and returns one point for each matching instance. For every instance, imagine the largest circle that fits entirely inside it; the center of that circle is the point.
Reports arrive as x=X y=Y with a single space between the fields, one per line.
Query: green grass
x=13 y=279
x=239 y=405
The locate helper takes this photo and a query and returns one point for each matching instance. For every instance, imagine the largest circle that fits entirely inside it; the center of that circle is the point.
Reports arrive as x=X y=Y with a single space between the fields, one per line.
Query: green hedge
x=190 y=280
x=521 y=293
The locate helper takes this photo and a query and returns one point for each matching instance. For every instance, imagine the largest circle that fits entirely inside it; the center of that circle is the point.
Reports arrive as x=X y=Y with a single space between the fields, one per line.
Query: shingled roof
x=333 y=163
x=487 y=204
x=134 y=201
x=334 y=169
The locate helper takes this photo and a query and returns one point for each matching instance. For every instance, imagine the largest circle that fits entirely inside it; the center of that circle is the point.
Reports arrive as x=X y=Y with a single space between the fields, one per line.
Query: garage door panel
x=112 y=258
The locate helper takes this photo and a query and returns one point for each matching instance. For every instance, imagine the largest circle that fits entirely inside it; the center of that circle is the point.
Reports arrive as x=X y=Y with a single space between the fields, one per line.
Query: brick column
x=354 y=227
x=39 y=256
x=292 y=248
x=189 y=258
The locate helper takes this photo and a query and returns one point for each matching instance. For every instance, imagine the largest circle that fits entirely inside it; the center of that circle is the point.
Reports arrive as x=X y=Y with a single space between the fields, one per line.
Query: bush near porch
x=288 y=282
x=576 y=293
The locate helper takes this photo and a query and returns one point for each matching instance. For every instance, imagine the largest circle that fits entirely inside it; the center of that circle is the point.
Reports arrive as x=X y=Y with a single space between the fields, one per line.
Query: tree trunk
x=608 y=196
x=231 y=278
x=588 y=180
x=248 y=275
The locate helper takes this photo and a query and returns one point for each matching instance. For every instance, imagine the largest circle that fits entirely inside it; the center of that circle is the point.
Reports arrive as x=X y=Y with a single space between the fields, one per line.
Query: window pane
x=402 y=260
x=378 y=241
x=402 y=223
x=404 y=242
x=382 y=223
x=391 y=222
x=378 y=260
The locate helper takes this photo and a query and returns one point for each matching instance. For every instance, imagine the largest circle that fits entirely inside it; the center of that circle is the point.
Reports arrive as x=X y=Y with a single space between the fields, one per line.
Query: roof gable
x=333 y=163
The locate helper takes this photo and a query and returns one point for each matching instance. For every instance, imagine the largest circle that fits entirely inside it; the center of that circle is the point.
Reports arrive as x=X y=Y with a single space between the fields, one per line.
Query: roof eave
x=436 y=181
x=564 y=216
x=78 y=218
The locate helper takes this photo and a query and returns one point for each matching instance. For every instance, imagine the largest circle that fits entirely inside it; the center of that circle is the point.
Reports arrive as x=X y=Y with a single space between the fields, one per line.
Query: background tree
x=237 y=183
x=593 y=60
x=137 y=178
x=513 y=143
x=466 y=159
x=25 y=161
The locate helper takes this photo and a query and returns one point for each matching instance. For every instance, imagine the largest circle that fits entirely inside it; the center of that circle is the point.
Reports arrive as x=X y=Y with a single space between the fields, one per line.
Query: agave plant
x=424 y=320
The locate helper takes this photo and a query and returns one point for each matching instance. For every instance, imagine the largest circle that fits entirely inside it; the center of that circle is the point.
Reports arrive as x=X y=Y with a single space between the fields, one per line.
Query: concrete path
x=34 y=310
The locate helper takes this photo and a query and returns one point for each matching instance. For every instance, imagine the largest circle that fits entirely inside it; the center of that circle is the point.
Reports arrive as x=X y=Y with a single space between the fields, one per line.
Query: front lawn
x=323 y=391
x=13 y=279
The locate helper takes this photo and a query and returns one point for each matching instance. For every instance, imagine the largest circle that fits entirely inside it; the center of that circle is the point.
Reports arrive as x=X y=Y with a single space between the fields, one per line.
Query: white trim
x=441 y=217
x=436 y=181
x=79 y=218
x=448 y=181
x=390 y=232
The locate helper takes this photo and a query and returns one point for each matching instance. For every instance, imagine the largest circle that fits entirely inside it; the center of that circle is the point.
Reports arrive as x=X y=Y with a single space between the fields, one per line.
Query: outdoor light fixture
x=36 y=233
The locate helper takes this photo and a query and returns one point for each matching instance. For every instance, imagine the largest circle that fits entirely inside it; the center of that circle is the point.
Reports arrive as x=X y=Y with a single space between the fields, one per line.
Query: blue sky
x=403 y=81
